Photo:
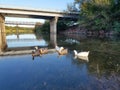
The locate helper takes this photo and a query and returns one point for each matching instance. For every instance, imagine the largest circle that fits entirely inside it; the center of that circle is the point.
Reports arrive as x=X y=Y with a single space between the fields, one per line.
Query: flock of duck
x=61 y=51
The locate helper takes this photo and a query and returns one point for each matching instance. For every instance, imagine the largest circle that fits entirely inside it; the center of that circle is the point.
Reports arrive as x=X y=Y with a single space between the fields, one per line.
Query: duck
x=43 y=51
x=81 y=55
x=62 y=51
x=35 y=53
x=57 y=48
x=82 y=58
x=35 y=49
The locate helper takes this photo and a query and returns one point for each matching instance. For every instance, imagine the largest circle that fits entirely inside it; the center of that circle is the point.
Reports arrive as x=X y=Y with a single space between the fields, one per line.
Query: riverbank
x=21 y=52
x=84 y=31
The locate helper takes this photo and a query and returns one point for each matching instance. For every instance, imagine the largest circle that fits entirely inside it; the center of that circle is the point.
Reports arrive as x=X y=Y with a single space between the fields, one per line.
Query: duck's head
x=75 y=52
x=36 y=47
x=61 y=48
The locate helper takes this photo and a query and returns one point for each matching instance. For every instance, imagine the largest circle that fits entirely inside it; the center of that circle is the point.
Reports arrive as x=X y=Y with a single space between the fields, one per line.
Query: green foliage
x=99 y=14
x=61 y=26
x=71 y=7
x=45 y=28
x=116 y=26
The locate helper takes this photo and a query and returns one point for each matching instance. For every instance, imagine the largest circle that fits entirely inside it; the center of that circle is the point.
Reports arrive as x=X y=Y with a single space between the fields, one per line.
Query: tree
x=71 y=7
x=45 y=28
x=98 y=14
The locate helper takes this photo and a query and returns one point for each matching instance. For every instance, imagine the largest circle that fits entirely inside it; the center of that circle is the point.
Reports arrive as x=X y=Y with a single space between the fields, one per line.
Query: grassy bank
x=15 y=30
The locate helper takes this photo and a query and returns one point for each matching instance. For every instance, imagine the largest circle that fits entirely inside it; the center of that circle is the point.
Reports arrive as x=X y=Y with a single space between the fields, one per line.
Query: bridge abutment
x=3 y=43
x=53 y=31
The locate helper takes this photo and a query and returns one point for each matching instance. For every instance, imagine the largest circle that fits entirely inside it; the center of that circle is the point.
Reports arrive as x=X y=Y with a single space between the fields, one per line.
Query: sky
x=37 y=4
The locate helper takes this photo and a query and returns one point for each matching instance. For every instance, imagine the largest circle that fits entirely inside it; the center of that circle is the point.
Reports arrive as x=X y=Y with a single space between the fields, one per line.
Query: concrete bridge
x=51 y=15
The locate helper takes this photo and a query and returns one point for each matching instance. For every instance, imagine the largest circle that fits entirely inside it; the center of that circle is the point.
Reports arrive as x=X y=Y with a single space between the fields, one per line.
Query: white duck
x=58 y=48
x=81 y=55
x=62 y=51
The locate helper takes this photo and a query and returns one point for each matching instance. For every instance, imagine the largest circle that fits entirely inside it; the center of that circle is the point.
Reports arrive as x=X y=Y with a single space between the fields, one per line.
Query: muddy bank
x=84 y=31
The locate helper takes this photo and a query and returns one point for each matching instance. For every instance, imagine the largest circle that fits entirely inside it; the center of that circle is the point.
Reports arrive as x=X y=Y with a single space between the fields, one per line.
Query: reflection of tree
x=43 y=36
x=21 y=30
x=103 y=69
x=104 y=54
x=91 y=44
x=104 y=64
x=104 y=61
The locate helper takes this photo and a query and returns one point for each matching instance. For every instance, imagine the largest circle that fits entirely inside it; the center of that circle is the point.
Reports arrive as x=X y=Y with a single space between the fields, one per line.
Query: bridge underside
x=39 y=14
x=40 y=17
x=3 y=44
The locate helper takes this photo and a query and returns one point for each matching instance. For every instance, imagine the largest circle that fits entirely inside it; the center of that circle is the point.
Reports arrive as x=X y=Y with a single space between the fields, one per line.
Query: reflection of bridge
x=53 y=16
x=24 y=40
x=20 y=23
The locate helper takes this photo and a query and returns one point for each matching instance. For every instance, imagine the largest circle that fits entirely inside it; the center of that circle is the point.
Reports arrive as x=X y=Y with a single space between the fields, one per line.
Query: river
x=54 y=72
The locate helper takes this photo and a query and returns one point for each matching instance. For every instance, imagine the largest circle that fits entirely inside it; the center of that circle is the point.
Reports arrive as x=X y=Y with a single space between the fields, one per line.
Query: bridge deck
x=36 y=13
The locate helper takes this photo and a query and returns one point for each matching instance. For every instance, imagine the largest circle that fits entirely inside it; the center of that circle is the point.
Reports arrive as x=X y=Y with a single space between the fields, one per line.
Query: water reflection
x=24 y=40
x=60 y=73
x=71 y=41
x=82 y=58
x=51 y=71
x=104 y=53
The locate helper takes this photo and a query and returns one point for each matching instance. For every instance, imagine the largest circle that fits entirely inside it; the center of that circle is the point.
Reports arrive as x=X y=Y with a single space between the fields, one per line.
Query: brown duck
x=36 y=53
x=43 y=51
x=62 y=51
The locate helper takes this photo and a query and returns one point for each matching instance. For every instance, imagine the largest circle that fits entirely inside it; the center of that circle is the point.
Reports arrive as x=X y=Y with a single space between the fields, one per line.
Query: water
x=54 y=72
x=25 y=40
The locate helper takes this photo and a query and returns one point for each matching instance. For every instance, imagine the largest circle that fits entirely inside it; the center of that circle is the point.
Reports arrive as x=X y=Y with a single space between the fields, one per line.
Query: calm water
x=54 y=72
x=25 y=40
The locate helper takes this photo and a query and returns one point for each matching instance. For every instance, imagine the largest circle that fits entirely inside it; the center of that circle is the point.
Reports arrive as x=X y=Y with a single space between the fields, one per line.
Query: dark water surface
x=54 y=72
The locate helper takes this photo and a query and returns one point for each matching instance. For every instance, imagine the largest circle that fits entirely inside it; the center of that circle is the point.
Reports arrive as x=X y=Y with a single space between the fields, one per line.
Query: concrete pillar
x=0 y=38
x=17 y=31
x=3 y=43
x=53 y=31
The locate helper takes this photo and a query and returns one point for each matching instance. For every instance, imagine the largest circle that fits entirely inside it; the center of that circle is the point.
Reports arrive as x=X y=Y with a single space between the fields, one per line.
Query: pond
x=54 y=72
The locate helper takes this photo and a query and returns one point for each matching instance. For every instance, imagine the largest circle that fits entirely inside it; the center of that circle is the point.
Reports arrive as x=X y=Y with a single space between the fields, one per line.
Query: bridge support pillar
x=53 y=31
x=3 y=43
